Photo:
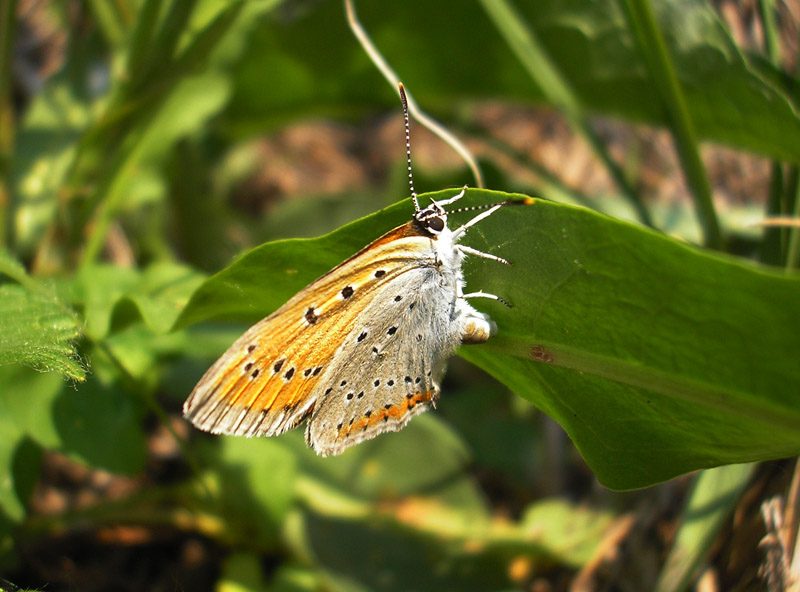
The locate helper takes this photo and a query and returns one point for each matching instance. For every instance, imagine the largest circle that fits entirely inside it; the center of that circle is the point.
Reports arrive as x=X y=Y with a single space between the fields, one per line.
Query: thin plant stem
x=391 y=76
x=651 y=42
x=109 y=20
x=773 y=241
x=793 y=248
x=771 y=41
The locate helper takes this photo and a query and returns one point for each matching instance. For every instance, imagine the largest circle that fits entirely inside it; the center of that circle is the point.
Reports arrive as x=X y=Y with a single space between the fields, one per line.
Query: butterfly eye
x=435 y=224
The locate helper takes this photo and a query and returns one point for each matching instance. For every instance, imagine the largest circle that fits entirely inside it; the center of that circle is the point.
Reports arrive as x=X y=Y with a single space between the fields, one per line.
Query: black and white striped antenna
x=407 y=126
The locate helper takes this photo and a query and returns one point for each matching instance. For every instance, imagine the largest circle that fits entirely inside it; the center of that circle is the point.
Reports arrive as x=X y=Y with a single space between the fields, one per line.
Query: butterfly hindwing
x=393 y=360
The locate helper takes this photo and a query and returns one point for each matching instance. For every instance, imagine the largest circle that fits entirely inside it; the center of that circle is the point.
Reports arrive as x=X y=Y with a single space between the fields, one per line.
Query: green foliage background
x=657 y=357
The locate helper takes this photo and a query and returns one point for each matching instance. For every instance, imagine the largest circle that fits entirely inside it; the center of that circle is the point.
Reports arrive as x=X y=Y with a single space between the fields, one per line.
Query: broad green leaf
x=26 y=425
x=26 y=402
x=293 y=578
x=399 y=512
x=163 y=292
x=241 y=572
x=98 y=289
x=36 y=329
x=114 y=294
x=569 y=532
x=19 y=463
x=587 y=41
x=255 y=482
x=657 y=357
x=389 y=468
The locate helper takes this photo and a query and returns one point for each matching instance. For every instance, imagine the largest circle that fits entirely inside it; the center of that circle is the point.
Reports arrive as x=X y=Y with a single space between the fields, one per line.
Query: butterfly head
x=432 y=219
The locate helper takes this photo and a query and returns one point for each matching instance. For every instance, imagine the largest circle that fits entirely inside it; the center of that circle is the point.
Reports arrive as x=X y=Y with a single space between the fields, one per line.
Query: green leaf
x=24 y=397
x=99 y=289
x=45 y=146
x=570 y=532
x=256 y=481
x=242 y=572
x=36 y=329
x=26 y=402
x=116 y=296
x=423 y=525
x=361 y=476
x=658 y=358
x=587 y=41
x=292 y=578
x=20 y=462
x=26 y=424
x=715 y=494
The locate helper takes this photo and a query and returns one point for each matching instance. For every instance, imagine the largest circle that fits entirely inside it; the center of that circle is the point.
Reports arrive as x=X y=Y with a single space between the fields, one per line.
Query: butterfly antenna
x=407 y=126
x=508 y=202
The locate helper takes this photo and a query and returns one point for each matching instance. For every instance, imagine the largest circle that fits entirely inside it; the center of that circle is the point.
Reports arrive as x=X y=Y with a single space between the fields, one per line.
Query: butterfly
x=360 y=350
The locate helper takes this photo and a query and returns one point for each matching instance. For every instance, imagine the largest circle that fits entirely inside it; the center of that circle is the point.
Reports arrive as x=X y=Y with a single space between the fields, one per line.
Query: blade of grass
x=713 y=496
x=535 y=60
x=773 y=238
x=793 y=249
x=651 y=42
x=552 y=186
x=141 y=41
x=418 y=114
x=772 y=46
x=161 y=48
x=773 y=242
x=7 y=29
x=109 y=20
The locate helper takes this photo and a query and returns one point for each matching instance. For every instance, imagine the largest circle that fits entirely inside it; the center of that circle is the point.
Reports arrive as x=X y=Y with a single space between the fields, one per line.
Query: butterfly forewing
x=277 y=372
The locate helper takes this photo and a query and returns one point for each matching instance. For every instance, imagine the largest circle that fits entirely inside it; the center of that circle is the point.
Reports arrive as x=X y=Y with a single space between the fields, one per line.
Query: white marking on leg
x=475 y=252
x=453 y=199
x=482 y=294
x=459 y=232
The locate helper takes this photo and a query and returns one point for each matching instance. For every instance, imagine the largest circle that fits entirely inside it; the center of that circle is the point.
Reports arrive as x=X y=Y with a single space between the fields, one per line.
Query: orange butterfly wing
x=270 y=378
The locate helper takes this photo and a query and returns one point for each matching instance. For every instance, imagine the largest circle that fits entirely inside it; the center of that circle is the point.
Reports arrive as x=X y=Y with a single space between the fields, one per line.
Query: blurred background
x=144 y=145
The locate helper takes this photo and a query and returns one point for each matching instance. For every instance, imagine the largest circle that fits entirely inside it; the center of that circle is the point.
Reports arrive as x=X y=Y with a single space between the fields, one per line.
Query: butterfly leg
x=461 y=230
x=455 y=198
x=482 y=294
x=470 y=251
